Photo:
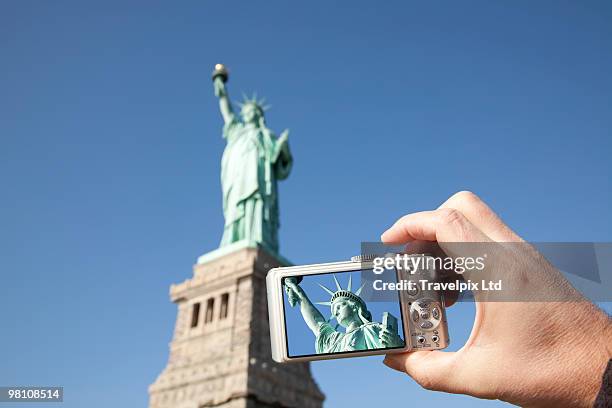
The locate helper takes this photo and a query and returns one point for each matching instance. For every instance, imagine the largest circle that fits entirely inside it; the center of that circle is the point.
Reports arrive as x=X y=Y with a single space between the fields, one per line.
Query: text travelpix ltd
x=425 y=285
x=413 y=263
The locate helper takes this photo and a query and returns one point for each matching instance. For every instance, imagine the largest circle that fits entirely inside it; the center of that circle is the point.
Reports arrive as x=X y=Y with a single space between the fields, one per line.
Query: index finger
x=441 y=225
x=481 y=215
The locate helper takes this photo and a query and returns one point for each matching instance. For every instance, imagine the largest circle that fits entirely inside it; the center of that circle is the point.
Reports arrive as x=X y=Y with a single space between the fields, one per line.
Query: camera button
x=427 y=325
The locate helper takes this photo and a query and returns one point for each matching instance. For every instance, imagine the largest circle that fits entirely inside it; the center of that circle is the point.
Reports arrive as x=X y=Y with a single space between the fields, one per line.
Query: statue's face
x=344 y=312
x=250 y=113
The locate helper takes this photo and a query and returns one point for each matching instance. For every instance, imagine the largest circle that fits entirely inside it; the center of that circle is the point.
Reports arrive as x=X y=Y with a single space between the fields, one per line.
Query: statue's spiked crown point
x=259 y=103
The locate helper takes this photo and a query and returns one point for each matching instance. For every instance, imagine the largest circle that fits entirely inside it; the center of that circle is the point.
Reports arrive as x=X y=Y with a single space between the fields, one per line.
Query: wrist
x=299 y=292
x=567 y=371
x=588 y=363
x=604 y=397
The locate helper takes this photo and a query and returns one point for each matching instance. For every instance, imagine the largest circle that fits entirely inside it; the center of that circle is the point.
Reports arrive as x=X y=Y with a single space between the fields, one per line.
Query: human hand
x=292 y=289
x=219 y=87
x=526 y=353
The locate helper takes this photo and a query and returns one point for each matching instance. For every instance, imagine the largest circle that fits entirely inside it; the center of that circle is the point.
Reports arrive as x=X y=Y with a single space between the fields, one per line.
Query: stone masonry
x=220 y=351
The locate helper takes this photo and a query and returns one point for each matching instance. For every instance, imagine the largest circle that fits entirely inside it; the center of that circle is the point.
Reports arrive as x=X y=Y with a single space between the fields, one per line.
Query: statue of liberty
x=253 y=160
x=350 y=311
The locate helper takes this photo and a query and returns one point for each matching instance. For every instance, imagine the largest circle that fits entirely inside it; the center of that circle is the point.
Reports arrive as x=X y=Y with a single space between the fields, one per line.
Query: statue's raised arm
x=310 y=313
x=220 y=77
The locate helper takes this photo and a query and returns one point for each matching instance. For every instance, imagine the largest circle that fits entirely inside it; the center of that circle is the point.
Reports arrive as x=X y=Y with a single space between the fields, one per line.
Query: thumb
x=433 y=370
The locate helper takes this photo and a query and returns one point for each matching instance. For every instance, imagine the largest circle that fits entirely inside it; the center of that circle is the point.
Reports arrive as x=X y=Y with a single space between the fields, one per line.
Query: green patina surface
x=253 y=161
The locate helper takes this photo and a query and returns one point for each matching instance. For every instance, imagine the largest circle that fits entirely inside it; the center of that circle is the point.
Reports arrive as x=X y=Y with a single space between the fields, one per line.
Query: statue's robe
x=253 y=160
x=366 y=337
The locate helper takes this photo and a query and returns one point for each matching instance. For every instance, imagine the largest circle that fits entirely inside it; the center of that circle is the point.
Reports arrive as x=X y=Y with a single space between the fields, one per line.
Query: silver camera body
x=423 y=316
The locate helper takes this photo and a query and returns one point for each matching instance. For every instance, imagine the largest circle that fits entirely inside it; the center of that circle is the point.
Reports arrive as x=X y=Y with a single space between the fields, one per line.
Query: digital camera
x=355 y=308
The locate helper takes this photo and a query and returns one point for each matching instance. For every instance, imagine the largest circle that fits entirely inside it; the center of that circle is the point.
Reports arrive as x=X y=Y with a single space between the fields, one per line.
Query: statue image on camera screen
x=350 y=312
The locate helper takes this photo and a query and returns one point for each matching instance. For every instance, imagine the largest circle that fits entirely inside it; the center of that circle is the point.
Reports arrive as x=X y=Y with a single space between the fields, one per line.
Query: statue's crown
x=346 y=294
x=342 y=293
x=259 y=103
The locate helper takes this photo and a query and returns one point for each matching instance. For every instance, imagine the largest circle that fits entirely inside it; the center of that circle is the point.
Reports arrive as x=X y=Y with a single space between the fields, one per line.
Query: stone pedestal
x=220 y=351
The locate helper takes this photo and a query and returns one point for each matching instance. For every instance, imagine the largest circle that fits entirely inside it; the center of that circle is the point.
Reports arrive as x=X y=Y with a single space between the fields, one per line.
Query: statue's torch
x=221 y=72
x=292 y=297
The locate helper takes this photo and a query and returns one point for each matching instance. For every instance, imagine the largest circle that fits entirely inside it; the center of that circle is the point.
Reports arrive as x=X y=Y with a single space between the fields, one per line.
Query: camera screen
x=326 y=314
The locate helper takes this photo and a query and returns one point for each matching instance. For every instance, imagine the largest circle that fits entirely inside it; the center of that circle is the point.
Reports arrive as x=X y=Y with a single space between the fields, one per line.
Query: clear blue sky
x=111 y=146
